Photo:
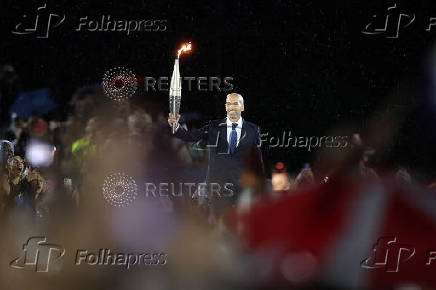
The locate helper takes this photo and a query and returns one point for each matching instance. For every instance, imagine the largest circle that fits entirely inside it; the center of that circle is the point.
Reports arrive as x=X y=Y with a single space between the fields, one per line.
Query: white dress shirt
x=238 y=130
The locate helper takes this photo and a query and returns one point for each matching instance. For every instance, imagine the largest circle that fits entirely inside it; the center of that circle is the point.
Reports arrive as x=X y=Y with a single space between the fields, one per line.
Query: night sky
x=303 y=66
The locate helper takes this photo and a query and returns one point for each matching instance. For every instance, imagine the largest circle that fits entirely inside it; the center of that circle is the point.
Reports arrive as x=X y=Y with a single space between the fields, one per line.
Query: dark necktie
x=233 y=138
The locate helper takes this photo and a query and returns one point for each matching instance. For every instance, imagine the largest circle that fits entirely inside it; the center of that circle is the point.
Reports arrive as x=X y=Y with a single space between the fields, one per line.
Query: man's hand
x=172 y=120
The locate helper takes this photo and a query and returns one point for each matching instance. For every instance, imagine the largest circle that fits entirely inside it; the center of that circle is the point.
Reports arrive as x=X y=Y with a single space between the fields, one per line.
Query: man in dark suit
x=229 y=142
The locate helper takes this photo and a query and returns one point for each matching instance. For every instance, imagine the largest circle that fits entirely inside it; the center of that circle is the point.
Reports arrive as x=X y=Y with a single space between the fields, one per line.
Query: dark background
x=303 y=66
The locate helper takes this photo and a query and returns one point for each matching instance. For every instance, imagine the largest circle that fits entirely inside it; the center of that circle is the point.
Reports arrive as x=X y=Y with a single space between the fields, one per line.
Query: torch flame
x=185 y=47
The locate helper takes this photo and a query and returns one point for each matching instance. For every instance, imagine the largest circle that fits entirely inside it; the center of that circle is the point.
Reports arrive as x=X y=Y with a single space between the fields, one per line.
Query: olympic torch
x=176 y=86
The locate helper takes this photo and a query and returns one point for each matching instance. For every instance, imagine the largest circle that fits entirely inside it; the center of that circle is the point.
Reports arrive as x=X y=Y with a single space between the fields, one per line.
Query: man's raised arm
x=185 y=135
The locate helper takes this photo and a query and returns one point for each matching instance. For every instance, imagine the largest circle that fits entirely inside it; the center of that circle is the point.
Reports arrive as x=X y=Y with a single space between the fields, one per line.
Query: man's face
x=38 y=184
x=234 y=107
x=17 y=165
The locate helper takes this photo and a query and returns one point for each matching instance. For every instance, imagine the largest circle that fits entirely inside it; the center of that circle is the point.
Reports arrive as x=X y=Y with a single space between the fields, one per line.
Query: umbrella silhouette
x=37 y=103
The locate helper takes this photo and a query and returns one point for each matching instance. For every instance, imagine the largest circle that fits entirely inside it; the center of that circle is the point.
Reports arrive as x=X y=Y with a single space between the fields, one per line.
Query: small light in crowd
x=280 y=165
x=40 y=154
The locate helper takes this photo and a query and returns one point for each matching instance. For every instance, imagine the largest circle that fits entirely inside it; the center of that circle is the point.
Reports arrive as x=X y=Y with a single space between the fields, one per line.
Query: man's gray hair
x=240 y=98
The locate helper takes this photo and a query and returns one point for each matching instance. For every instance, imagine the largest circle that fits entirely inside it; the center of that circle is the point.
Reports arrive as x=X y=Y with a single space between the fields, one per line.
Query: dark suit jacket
x=225 y=167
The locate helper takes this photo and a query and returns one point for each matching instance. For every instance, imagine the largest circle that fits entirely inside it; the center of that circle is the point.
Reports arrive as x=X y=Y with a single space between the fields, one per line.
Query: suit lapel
x=223 y=145
x=243 y=135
